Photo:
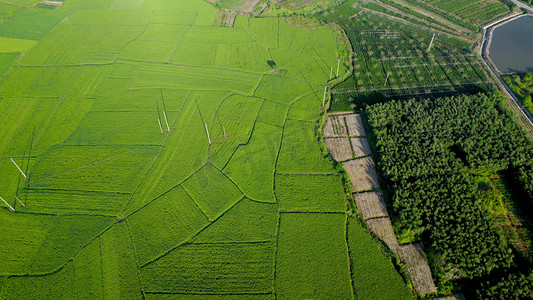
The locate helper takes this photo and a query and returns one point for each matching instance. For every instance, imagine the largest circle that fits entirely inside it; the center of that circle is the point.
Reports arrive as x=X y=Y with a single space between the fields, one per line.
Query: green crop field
x=148 y=153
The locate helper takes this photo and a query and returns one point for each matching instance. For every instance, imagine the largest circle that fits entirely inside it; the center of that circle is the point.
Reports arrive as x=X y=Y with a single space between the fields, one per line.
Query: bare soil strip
x=334 y=126
x=370 y=203
x=360 y=147
x=363 y=176
x=339 y=148
x=355 y=125
x=382 y=228
x=416 y=267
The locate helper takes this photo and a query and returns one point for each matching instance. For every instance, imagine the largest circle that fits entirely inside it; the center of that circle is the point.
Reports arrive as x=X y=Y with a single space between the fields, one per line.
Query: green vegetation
x=522 y=87
x=310 y=193
x=371 y=270
x=447 y=143
x=162 y=155
x=312 y=256
x=396 y=57
x=32 y=23
x=470 y=14
x=11 y=45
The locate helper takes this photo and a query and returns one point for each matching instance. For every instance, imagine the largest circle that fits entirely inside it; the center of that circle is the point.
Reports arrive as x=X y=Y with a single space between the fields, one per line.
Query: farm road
x=523 y=5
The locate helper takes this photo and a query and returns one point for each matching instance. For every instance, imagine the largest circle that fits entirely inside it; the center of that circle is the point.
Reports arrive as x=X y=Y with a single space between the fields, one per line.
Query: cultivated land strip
x=370 y=201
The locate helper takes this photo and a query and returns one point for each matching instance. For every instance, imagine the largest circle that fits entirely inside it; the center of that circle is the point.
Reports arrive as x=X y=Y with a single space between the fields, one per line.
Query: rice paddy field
x=147 y=153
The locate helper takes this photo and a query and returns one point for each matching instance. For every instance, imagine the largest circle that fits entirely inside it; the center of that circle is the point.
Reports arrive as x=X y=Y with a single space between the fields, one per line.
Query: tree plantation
x=433 y=154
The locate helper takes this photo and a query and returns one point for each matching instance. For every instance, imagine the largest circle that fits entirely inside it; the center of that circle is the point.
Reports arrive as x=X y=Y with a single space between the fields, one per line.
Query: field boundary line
x=274 y=191
x=278 y=226
x=70 y=214
x=235 y=242
x=208 y=294
x=178 y=43
x=132 y=240
x=313 y=212
x=184 y=65
x=348 y=252
x=194 y=201
x=190 y=239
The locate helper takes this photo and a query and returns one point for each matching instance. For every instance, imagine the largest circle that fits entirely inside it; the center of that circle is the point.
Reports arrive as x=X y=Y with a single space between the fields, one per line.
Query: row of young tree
x=430 y=152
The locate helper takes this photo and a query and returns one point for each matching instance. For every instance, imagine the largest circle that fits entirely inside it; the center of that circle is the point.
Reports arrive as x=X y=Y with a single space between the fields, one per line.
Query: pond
x=511 y=48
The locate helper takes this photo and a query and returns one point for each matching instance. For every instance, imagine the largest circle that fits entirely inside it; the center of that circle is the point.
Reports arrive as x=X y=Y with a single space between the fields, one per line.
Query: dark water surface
x=511 y=49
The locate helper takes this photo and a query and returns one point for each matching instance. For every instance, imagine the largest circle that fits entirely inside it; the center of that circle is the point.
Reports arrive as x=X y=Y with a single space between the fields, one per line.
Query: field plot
x=81 y=44
x=360 y=147
x=38 y=123
x=247 y=221
x=363 y=174
x=185 y=151
x=417 y=267
x=305 y=108
x=197 y=54
x=382 y=227
x=162 y=156
x=8 y=11
x=299 y=137
x=161 y=76
x=312 y=255
x=107 y=267
x=239 y=268
x=354 y=125
x=252 y=166
x=335 y=126
x=114 y=93
x=370 y=205
x=155 y=296
x=117 y=128
x=54 y=82
x=6 y=60
x=370 y=270
x=21 y=243
x=339 y=148
x=229 y=130
x=40 y=250
x=10 y=45
x=69 y=201
x=294 y=88
x=92 y=168
x=32 y=23
x=60 y=284
x=310 y=193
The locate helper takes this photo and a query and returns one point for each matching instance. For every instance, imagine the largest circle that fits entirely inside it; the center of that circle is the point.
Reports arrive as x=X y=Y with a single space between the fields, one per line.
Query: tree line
x=430 y=152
